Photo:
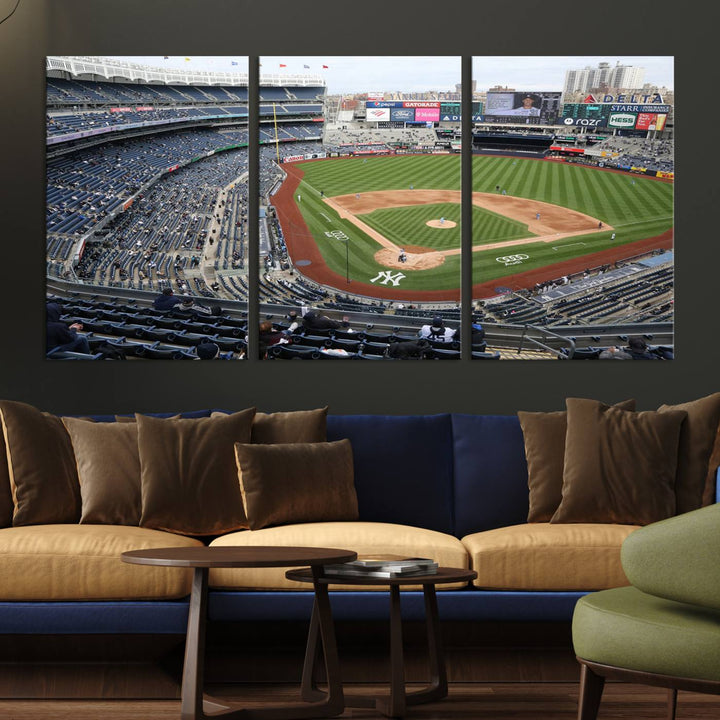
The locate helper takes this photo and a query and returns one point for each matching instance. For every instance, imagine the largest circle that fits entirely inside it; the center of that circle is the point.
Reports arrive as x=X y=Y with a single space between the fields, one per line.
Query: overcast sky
x=353 y=74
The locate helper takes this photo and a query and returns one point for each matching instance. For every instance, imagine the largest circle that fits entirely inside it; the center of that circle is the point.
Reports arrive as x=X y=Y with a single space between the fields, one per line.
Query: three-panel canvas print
x=343 y=208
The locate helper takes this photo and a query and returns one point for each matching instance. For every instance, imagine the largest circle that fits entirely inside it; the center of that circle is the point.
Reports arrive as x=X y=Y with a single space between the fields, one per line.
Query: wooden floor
x=476 y=701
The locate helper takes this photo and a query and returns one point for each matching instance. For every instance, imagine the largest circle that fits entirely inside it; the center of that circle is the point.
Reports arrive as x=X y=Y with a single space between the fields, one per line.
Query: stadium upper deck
x=97 y=96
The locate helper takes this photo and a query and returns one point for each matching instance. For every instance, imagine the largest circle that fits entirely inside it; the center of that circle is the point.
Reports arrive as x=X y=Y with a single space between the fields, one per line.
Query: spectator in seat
x=166 y=300
x=60 y=336
x=638 y=349
x=207 y=350
x=313 y=320
x=437 y=331
x=269 y=335
x=614 y=353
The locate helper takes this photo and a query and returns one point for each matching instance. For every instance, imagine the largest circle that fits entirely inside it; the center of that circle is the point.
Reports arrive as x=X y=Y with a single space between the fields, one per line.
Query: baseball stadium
x=359 y=219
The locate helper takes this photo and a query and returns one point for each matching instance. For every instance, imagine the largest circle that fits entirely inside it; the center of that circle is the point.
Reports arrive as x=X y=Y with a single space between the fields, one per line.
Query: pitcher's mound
x=441 y=224
x=414 y=260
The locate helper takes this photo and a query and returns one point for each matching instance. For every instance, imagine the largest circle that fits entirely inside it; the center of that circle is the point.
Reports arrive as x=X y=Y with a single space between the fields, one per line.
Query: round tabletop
x=443 y=575
x=238 y=557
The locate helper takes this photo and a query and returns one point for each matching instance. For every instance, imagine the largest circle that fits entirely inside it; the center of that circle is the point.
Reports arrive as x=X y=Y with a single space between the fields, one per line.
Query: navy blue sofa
x=453 y=473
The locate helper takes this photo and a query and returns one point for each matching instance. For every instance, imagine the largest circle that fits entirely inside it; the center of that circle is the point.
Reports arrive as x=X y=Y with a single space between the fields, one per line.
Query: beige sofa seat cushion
x=365 y=538
x=82 y=562
x=544 y=556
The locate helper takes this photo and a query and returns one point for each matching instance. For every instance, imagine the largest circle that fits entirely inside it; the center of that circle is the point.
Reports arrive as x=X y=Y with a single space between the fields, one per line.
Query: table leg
x=195 y=707
x=394 y=706
x=193 y=669
x=398 y=700
x=438 y=687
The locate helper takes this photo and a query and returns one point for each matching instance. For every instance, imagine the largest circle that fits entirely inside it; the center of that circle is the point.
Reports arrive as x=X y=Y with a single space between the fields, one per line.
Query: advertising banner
x=402 y=114
x=645 y=121
x=427 y=114
x=660 y=124
x=585 y=122
x=383 y=104
x=293 y=158
x=622 y=120
x=421 y=104
x=378 y=114
x=121 y=109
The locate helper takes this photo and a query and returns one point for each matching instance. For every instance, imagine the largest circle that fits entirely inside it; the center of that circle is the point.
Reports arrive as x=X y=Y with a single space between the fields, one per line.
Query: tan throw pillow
x=297 y=426
x=297 y=483
x=697 y=438
x=544 y=436
x=619 y=466
x=41 y=466
x=188 y=474
x=108 y=466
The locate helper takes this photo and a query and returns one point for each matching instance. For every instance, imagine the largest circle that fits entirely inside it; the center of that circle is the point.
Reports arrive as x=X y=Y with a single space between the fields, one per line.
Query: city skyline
x=360 y=74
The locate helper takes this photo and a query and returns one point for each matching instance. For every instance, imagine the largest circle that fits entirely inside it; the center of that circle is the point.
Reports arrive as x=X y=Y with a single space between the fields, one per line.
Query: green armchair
x=664 y=629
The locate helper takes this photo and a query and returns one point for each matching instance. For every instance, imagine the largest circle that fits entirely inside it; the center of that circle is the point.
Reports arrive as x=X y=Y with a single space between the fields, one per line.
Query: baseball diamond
x=562 y=217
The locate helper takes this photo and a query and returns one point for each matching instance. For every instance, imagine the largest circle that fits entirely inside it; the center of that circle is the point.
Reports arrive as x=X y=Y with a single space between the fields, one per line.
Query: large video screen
x=531 y=108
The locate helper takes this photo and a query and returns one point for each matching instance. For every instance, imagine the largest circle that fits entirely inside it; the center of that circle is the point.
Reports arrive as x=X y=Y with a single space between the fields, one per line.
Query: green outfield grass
x=636 y=207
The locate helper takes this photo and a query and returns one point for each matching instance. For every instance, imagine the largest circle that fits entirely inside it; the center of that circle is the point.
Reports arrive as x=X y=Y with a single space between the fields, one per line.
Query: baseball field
x=389 y=227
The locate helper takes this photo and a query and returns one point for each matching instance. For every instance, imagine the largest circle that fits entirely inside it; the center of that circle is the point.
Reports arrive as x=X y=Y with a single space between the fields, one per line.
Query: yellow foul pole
x=277 y=139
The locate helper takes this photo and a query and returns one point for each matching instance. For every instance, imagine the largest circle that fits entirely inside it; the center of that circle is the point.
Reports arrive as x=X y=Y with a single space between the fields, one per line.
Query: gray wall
x=340 y=27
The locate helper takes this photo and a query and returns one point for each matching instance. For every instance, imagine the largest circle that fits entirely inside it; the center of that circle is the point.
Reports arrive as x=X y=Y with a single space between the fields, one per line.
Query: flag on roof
x=166 y=57
x=283 y=65
x=187 y=59
x=307 y=67
x=232 y=62
x=325 y=67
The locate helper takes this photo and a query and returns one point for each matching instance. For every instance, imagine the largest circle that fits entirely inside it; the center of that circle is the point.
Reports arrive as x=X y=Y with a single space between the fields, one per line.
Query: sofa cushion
x=631 y=629
x=697 y=438
x=365 y=538
x=298 y=426
x=6 y=500
x=491 y=479
x=543 y=556
x=188 y=474
x=41 y=465
x=544 y=435
x=108 y=466
x=403 y=467
x=287 y=483
x=619 y=466
x=82 y=562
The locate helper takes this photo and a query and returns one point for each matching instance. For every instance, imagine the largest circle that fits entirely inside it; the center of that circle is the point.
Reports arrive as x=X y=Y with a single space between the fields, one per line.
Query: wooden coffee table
x=395 y=704
x=201 y=559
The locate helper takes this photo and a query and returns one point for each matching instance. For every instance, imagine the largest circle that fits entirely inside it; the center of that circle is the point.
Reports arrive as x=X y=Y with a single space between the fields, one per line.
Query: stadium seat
x=438 y=354
x=294 y=352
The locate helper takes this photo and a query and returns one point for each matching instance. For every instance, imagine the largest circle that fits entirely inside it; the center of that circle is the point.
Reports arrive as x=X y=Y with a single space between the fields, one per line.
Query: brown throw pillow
x=41 y=466
x=697 y=439
x=544 y=435
x=108 y=466
x=297 y=483
x=297 y=426
x=188 y=473
x=710 y=492
x=6 y=500
x=619 y=466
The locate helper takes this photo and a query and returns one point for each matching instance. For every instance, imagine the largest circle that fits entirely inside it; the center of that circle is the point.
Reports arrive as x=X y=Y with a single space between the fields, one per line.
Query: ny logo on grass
x=386 y=276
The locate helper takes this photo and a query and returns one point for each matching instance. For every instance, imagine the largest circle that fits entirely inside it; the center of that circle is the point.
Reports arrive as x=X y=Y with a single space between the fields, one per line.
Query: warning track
x=301 y=244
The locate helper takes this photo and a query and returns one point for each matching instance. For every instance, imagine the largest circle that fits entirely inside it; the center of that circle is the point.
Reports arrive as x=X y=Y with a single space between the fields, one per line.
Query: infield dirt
x=554 y=219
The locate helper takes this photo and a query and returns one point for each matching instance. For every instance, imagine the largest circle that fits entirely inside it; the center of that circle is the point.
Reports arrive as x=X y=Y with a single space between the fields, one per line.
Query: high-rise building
x=627 y=77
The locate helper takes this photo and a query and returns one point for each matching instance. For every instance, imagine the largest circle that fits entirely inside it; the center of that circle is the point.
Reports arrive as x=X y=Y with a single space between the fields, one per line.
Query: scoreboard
x=616 y=115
